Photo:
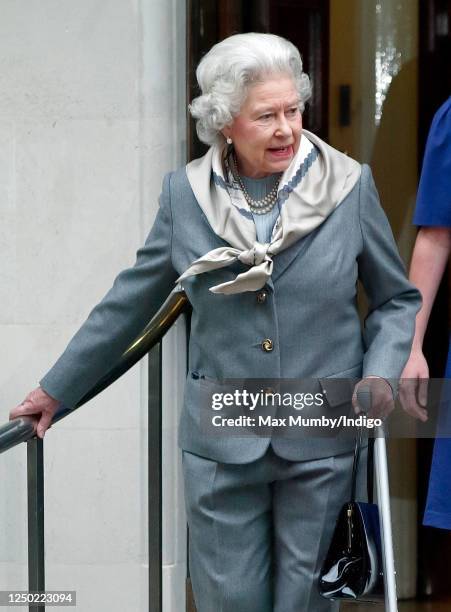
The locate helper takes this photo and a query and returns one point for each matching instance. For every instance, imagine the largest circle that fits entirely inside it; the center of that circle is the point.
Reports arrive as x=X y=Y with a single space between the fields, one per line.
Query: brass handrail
x=22 y=429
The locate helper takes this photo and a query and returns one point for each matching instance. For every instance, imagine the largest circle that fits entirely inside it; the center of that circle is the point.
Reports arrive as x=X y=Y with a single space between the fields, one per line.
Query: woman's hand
x=381 y=395
x=38 y=405
x=413 y=388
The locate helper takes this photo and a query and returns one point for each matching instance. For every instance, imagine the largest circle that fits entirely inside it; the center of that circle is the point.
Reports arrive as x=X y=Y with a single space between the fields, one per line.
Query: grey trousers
x=259 y=532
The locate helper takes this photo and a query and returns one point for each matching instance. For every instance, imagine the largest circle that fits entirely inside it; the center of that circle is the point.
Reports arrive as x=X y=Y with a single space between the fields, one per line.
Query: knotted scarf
x=317 y=180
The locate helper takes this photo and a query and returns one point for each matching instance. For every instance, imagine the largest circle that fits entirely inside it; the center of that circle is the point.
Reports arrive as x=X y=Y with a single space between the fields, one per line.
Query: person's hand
x=413 y=388
x=38 y=405
x=382 y=401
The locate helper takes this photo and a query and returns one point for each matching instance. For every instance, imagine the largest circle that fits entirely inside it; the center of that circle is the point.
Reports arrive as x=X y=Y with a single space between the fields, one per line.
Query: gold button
x=269 y=391
x=261 y=297
x=267 y=345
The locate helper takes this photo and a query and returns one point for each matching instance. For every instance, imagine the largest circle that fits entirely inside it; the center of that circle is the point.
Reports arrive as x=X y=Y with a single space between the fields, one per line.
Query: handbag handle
x=369 y=465
x=364 y=400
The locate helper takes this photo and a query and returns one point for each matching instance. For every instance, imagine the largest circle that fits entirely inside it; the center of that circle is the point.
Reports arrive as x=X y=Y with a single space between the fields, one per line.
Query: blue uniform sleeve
x=434 y=193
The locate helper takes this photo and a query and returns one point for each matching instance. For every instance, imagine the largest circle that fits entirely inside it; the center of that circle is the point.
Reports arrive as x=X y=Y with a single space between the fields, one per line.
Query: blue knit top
x=257 y=189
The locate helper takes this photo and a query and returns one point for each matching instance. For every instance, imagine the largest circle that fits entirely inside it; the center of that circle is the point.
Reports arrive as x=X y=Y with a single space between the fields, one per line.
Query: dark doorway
x=304 y=22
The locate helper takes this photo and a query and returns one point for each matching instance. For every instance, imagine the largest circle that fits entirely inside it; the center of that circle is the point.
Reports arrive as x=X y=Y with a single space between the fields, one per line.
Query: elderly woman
x=269 y=233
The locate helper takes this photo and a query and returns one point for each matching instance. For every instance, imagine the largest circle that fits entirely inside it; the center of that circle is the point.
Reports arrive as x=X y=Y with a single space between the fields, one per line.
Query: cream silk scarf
x=315 y=183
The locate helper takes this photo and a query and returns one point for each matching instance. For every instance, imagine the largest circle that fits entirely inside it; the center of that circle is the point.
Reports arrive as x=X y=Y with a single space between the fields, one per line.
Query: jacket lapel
x=283 y=259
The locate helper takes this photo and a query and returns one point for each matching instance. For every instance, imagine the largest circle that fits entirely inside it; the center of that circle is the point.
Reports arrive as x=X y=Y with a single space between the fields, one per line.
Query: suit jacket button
x=267 y=345
x=261 y=297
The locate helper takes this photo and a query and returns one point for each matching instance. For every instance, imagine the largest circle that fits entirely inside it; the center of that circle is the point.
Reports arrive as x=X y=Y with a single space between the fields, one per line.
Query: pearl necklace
x=258 y=207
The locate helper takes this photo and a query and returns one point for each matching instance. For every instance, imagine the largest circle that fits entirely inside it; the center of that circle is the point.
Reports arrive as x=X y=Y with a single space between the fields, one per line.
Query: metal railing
x=22 y=430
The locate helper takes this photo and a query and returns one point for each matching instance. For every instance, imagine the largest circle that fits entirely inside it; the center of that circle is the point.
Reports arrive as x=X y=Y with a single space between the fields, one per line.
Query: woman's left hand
x=381 y=397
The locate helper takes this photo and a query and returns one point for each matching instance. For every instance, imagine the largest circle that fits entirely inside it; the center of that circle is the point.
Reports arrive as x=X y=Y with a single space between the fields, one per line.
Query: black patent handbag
x=353 y=568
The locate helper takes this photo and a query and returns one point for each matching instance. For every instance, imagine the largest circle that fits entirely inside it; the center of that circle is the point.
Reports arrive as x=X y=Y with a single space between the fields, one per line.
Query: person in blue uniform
x=429 y=259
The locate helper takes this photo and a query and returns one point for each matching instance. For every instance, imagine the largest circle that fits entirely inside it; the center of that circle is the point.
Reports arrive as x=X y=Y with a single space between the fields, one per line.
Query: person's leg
x=230 y=534
x=438 y=501
x=305 y=507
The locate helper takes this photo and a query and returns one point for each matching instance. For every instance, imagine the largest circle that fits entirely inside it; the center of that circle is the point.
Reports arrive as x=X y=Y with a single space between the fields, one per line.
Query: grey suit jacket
x=310 y=314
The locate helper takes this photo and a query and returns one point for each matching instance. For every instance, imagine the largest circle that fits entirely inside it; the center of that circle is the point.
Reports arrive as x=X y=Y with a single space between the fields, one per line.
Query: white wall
x=92 y=97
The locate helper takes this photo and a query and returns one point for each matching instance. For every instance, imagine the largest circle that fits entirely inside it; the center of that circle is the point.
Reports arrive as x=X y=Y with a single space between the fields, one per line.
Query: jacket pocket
x=203 y=378
x=339 y=387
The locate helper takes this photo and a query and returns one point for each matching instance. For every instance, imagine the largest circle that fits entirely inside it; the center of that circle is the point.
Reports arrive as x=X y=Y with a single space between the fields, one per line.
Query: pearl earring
x=229 y=140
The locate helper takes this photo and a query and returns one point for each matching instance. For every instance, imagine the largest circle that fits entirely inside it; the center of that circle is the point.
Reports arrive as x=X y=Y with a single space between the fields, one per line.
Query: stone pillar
x=92 y=114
